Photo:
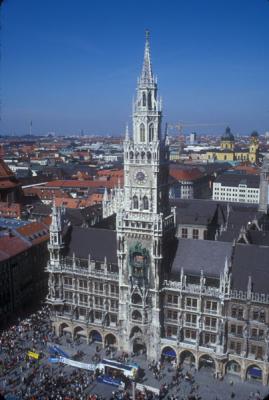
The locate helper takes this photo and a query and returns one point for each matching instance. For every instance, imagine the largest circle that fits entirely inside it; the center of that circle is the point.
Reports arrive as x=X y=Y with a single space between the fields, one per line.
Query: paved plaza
x=22 y=377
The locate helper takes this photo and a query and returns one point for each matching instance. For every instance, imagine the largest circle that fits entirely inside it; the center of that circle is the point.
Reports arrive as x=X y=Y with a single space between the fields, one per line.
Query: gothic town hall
x=188 y=280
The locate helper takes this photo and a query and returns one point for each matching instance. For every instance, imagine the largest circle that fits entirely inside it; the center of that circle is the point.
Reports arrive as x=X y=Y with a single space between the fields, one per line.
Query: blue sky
x=72 y=65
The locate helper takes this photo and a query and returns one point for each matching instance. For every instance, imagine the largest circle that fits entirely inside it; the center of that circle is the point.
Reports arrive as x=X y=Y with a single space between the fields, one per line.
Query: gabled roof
x=185 y=174
x=251 y=260
x=98 y=243
x=196 y=212
x=196 y=255
x=76 y=184
x=11 y=245
x=236 y=179
x=35 y=232
x=5 y=171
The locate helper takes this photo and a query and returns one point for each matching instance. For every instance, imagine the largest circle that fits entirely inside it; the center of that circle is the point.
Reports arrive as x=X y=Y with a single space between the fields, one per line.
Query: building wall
x=241 y=193
x=192 y=232
x=23 y=280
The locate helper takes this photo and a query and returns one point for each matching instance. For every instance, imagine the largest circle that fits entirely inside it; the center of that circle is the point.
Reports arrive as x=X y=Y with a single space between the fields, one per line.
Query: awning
x=67 y=329
x=82 y=333
x=255 y=372
x=169 y=353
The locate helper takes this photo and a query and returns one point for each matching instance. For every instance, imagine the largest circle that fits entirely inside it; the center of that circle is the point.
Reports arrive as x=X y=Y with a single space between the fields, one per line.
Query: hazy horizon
x=74 y=68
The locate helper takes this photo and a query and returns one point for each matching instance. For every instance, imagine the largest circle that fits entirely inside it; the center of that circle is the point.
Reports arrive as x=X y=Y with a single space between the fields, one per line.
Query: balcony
x=171 y=321
x=210 y=328
x=256 y=338
x=98 y=307
x=210 y=311
x=66 y=286
x=172 y=305
x=190 y=308
x=238 y=335
x=100 y=292
x=190 y=324
x=83 y=303
x=83 y=289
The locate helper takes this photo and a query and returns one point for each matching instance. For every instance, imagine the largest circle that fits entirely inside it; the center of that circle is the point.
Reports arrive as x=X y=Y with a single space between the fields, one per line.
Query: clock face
x=140 y=177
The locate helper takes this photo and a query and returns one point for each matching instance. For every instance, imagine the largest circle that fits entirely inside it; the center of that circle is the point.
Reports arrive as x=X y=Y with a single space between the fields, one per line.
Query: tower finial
x=127 y=132
x=147 y=76
x=147 y=35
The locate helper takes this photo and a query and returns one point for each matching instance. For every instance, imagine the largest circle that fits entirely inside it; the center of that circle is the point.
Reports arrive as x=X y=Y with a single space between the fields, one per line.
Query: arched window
x=131 y=155
x=151 y=132
x=136 y=315
x=144 y=101
x=135 y=202
x=145 y=203
x=136 y=299
x=143 y=155
x=142 y=133
x=149 y=156
x=149 y=101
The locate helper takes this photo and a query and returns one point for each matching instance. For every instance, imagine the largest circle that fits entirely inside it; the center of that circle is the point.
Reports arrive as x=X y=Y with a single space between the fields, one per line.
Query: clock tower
x=145 y=224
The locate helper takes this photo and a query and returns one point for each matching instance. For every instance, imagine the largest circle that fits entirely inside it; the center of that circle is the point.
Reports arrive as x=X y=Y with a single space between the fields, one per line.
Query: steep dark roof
x=239 y=215
x=251 y=260
x=82 y=216
x=195 y=212
x=260 y=238
x=232 y=179
x=99 y=243
x=196 y=255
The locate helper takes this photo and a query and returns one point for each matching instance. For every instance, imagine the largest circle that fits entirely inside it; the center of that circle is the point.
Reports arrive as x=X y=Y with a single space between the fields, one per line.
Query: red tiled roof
x=46 y=220
x=75 y=184
x=10 y=246
x=67 y=202
x=10 y=210
x=36 y=232
x=7 y=184
x=94 y=198
x=247 y=168
x=5 y=171
x=110 y=172
x=185 y=174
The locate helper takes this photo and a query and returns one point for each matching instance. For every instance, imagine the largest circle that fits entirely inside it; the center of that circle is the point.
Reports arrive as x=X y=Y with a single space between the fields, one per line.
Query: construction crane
x=180 y=125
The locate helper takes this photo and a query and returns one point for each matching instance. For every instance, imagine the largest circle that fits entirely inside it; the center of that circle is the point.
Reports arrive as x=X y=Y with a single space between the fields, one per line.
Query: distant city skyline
x=74 y=67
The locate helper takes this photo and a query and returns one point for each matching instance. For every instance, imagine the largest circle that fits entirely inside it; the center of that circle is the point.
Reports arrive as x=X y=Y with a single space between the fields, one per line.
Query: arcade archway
x=169 y=354
x=206 y=361
x=110 y=340
x=65 y=329
x=79 y=332
x=233 y=368
x=254 y=373
x=135 y=331
x=95 y=336
x=139 y=346
x=187 y=357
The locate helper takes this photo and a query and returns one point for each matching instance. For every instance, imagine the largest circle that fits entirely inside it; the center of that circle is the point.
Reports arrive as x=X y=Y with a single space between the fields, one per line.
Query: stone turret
x=263 y=201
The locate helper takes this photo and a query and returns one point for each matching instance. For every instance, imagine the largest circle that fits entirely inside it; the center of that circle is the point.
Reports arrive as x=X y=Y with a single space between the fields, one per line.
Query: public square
x=23 y=377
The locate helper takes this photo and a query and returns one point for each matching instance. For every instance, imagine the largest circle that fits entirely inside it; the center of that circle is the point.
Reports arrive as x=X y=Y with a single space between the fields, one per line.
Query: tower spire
x=147 y=76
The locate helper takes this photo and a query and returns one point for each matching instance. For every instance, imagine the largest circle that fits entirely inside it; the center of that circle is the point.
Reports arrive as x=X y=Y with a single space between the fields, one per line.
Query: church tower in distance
x=145 y=224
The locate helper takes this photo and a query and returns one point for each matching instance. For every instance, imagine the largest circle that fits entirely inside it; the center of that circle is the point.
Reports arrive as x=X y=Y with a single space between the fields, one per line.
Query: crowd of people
x=23 y=376
x=27 y=373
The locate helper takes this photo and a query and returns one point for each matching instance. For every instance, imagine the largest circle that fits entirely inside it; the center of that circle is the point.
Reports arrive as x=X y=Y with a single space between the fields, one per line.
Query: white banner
x=67 y=361
x=142 y=388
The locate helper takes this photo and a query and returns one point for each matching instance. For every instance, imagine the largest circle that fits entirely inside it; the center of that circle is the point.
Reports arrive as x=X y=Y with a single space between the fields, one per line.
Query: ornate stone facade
x=135 y=289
